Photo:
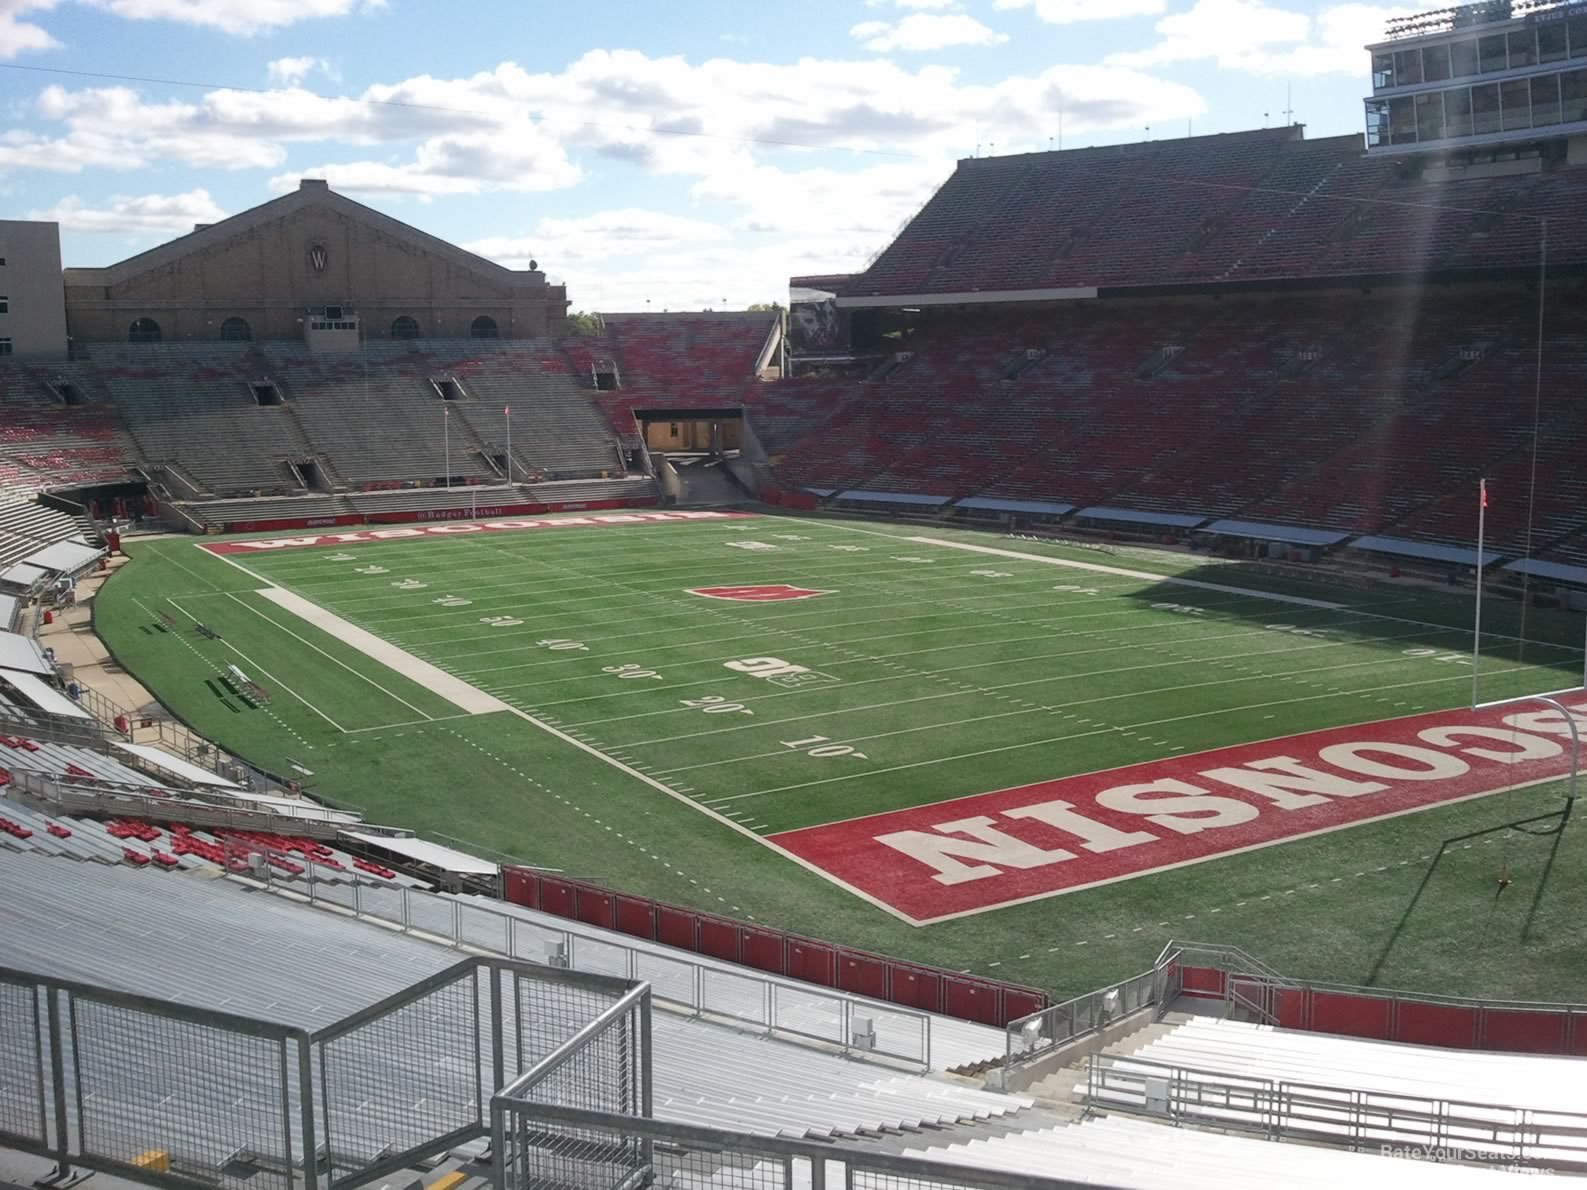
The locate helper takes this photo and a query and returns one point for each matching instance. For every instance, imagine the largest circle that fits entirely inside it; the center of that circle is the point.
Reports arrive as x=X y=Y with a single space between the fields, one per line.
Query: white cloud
x=622 y=233
x=241 y=17
x=292 y=71
x=721 y=125
x=19 y=36
x=917 y=5
x=921 y=31
x=135 y=215
x=1253 y=36
x=467 y=163
x=1068 y=12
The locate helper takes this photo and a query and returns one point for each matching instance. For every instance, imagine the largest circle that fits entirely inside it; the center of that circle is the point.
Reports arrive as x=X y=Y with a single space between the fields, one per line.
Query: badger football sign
x=976 y=853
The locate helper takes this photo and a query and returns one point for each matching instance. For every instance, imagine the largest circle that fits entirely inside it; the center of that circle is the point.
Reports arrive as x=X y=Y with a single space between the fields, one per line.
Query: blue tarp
x=1426 y=550
x=1290 y=534
x=895 y=497
x=1176 y=520
x=1042 y=506
x=1554 y=570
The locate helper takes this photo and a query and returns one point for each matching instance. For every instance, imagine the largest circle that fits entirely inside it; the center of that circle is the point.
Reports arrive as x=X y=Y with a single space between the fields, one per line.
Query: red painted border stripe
x=271 y=545
x=975 y=853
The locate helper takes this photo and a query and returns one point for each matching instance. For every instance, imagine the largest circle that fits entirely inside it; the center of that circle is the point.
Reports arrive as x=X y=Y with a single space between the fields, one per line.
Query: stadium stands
x=1261 y=205
x=1317 y=411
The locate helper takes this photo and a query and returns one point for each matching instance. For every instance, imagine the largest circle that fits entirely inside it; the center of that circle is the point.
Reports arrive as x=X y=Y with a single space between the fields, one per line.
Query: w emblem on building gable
x=319 y=256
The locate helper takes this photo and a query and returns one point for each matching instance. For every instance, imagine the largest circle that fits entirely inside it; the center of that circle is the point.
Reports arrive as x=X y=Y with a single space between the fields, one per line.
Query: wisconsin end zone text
x=971 y=854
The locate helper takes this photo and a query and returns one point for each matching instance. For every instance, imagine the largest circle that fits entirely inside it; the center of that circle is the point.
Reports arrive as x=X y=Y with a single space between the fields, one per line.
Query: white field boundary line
x=267 y=593
x=1091 y=700
x=1143 y=575
x=257 y=668
x=456 y=691
x=1368 y=691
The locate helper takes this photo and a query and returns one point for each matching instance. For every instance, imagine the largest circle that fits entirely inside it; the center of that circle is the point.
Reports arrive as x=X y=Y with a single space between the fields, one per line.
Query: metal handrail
x=701 y=975
x=1285 y=1109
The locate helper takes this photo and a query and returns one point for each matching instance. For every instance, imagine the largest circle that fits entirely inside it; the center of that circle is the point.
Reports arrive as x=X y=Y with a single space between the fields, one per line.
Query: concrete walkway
x=75 y=642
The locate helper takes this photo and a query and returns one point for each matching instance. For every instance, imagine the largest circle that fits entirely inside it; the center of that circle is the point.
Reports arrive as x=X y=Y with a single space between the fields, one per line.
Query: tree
x=582 y=322
x=764 y=307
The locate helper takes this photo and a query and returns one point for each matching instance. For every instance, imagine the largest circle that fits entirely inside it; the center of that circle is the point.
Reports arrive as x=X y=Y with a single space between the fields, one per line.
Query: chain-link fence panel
x=547 y=1012
x=167 y=1091
x=401 y=1076
x=23 y=1115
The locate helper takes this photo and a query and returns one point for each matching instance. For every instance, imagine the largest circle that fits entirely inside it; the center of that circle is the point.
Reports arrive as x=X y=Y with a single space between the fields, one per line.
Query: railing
x=1209 y=971
x=183 y=1096
x=51 y=794
x=1033 y=1037
x=782 y=1009
x=775 y=952
x=1279 y=1109
x=596 y=1150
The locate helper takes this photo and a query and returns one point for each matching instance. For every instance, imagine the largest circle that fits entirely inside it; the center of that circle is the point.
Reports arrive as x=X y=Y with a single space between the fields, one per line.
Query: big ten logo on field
x=780 y=672
x=758 y=593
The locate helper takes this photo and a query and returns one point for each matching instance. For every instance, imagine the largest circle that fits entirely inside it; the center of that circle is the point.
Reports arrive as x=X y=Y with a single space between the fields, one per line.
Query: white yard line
x=260 y=669
x=1131 y=726
x=1089 y=700
x=981 y=690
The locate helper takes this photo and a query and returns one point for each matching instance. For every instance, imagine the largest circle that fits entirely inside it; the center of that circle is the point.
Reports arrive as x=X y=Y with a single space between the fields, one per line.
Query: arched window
x=144 y=330
x=404 y=328
x=236 y=330
x=483 y=327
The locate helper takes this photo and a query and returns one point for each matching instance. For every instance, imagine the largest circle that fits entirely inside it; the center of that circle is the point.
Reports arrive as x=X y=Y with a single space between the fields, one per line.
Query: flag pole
x=506 y=411
x=1476 y=638
x=446 y=434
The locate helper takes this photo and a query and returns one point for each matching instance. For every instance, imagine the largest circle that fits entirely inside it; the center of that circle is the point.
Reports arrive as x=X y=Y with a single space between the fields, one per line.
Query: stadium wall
x=435 y=514
x=774 y=951
x=1406 y=1017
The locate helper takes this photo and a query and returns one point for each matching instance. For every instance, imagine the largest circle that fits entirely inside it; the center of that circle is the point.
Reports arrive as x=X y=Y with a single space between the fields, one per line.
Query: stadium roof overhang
x=1540 y=568
x=972 y=298
x=1427 y=551
x=1288 y=534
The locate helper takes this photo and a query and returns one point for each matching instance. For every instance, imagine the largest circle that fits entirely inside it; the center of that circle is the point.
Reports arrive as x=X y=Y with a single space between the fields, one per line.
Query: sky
x=679 y=155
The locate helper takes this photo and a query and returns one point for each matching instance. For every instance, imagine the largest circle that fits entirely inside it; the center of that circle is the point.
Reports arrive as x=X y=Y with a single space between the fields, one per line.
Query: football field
x=1016 y=757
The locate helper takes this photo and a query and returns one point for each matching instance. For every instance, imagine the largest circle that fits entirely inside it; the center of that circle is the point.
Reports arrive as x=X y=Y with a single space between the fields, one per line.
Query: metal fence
x=185 y=1096
x=542 y=1145
x=1284 y=1110
x=1034 y=1036
x=581 y=1119
x=781 y=1008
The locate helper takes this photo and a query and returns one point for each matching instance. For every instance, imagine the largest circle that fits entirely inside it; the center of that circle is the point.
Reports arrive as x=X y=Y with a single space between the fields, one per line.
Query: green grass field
x=946 y=674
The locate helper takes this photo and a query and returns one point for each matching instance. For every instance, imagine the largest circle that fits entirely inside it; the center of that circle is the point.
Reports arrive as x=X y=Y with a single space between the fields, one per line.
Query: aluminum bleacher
x=703 y=1073
x=1122 y=1152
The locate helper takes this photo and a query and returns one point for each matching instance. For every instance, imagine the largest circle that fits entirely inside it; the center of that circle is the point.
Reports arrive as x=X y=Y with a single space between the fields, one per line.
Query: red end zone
x=976 y=853
x=265 y=545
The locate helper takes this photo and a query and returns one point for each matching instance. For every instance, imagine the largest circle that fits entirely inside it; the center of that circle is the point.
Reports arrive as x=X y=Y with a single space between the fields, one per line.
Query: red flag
x=506 y=410
x=1485 y=493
